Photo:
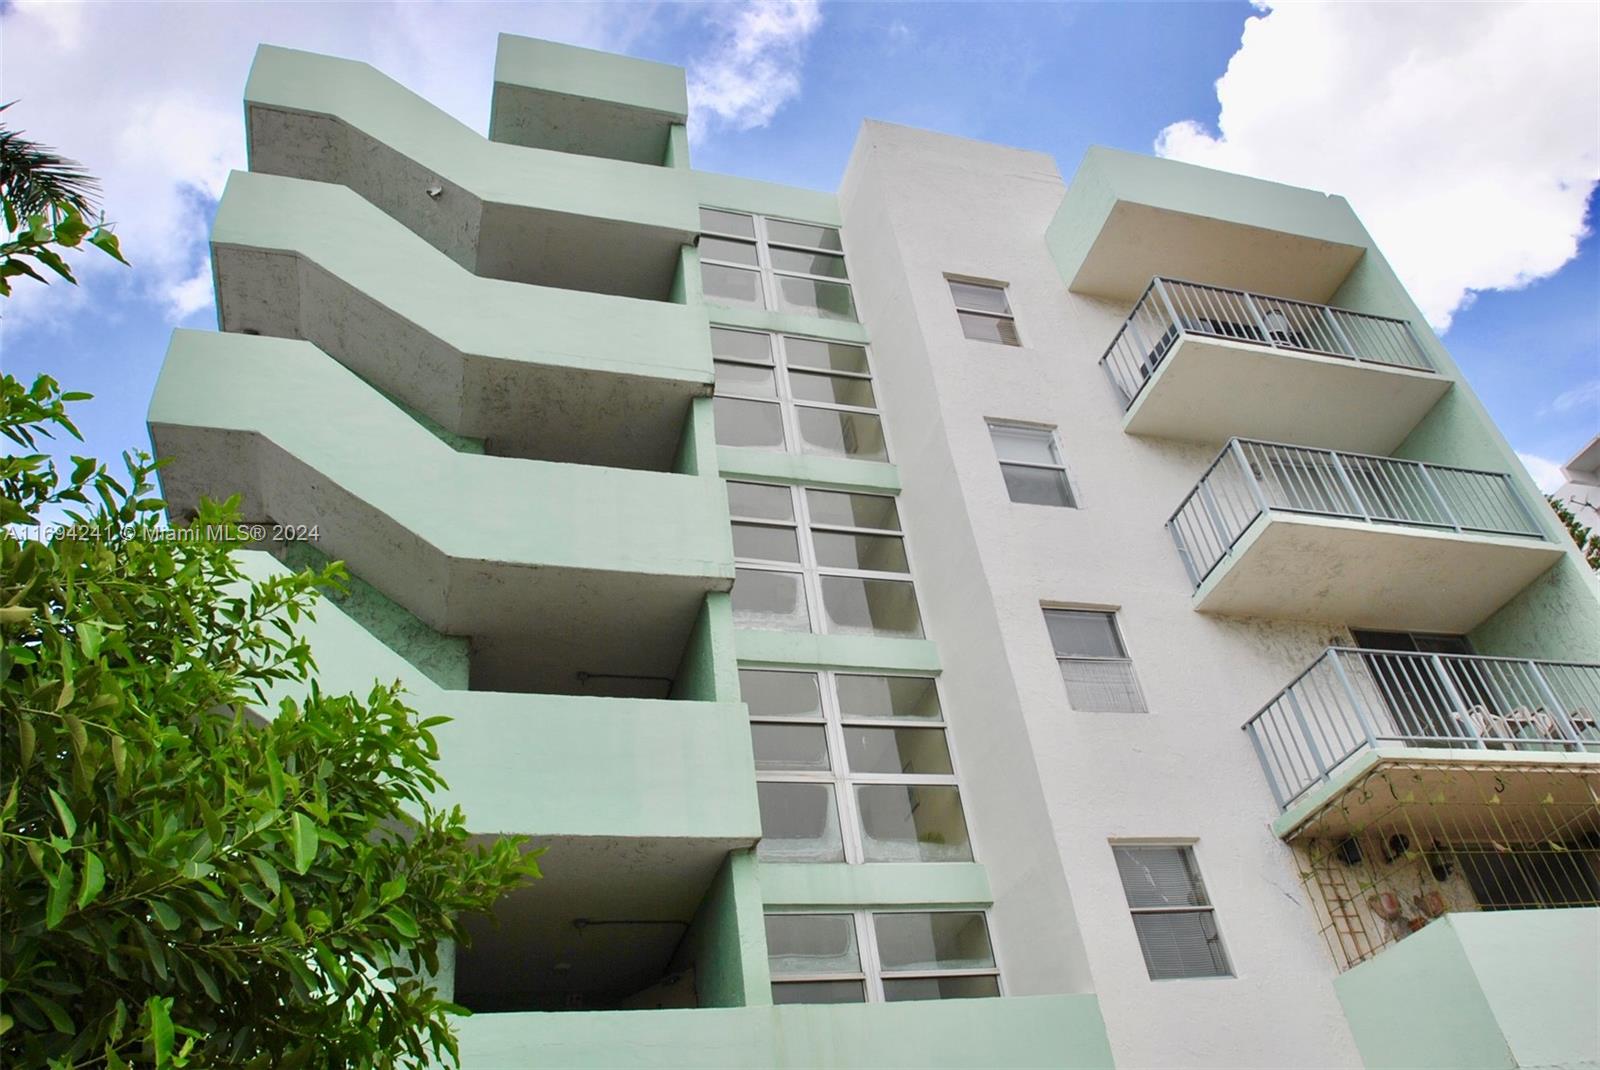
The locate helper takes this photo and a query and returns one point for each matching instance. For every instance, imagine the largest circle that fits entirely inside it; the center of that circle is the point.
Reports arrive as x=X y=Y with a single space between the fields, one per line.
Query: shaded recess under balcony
x=1203 y=363
x=1371 y=542
x=505 y=211
x=568 y=99
x=531 y=371
x=569 y=579
x=646 y=810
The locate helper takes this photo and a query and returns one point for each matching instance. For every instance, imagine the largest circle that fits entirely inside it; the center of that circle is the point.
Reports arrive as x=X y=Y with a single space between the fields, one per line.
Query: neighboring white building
x=1581 y=491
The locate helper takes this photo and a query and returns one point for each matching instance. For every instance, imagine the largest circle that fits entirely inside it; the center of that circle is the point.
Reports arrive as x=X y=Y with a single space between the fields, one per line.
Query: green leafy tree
x=1588 y=541
x=48 y=201
x=196 y=871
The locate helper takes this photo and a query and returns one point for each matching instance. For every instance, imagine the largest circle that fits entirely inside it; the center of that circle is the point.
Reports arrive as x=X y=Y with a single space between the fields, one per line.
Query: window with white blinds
x=1172 y=915
x=984 y=312
x=1094 y=664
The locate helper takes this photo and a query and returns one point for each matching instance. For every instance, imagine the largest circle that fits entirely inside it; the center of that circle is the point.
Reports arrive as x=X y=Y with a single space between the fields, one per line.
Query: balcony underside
x=536 y=372
x=1138 y=241
x=554 y=570
x=1384 y=576
x=504 y=211
x=1210 y=389
x=567 y=99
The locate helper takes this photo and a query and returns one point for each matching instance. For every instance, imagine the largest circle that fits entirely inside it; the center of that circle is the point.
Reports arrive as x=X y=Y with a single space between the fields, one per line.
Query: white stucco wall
x=917 y=206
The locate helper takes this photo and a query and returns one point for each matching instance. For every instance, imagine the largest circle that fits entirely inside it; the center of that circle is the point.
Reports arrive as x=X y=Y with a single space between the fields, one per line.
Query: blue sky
x=1481 y=201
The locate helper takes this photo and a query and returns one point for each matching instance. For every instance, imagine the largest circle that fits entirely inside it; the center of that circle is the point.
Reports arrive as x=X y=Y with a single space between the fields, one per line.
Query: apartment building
x=975 y=618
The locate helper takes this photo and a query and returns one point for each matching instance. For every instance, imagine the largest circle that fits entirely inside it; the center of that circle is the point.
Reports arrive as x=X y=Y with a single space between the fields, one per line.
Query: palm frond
x=35 y=178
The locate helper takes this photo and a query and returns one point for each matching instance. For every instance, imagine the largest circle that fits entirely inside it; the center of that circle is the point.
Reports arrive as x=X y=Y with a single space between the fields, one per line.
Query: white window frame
x=872 y=974
x=788 y=404
x=1010 y=314
x=839 y=775
x=812 y=573
x=769 y=275
x=1052 y=436
x=1122 y=642
x=1189 y=846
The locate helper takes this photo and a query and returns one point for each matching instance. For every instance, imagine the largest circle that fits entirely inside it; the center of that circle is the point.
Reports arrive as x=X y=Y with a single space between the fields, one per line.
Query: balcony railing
x=1171 y=309
x=1350 y=699
x=1249 y=478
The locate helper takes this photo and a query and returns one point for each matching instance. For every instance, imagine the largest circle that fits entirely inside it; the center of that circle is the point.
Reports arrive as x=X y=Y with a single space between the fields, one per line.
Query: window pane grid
x=800 y=266
x=880 y=936
x=891 y=827
x=810 y=416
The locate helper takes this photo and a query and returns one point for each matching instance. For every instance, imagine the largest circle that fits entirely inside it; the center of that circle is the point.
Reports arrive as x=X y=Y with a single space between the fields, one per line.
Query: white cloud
x=1546 y=473
x=153 y=106
x=1582 y=396
x=753 y=67
x=1467 y=136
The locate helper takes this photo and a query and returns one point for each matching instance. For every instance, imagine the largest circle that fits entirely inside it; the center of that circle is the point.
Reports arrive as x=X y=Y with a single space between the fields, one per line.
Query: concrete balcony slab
x=503 y=211
x=556 y=571
x=535 y=371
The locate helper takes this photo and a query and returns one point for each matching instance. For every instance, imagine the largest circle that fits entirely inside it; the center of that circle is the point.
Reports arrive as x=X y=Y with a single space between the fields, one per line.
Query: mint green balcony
x=503 y=211
x=533 y=371
x=637 y=802
x=555 y=96
x=1064 y=1031
x=559 y=573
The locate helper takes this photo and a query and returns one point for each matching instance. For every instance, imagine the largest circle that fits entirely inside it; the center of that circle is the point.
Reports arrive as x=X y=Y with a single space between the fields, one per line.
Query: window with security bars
x=984 y=312
x=880 y=956
x=812 y=560
x=800 y=395
x=1030 y=463
x=1172 y=915
x=1094 y=663
x=753 y=261
x=853 y=767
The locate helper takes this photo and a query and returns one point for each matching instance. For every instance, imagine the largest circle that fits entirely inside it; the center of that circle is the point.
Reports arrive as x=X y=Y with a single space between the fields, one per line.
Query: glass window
x=760 y=501
x=1173 y=917
x=806 y=945
x=754 y=424
x=1095 y=667
x=732 y=286
x=741 y=345
x=832 y=433
x=896 y=750
x=856 y=605
x=912 y=823
x=984 y=312
x=817 y=958
x=756 y=262
x=841 y=509
x=765 y=542
x=1031 y=465
x=790 y=747
x=869 y=553
x=715 y=221
x=823 y=395
x=810 y=235
x=781 y=694
x=877 y=744
x=769 y=600
x=799 y=823
x=887 y=697
x=938 y=940
x=732 y=252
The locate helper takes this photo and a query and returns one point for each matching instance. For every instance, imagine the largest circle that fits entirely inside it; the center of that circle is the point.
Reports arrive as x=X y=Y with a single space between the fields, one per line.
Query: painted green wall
x=874 y=884
x=709 y=670
x=726 y=943
x=697 y=449
x=1558 y=616
x=444 y=659
x=768 y=466
x=1001 y=1034
x=1494 y=990
x=567 y=70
